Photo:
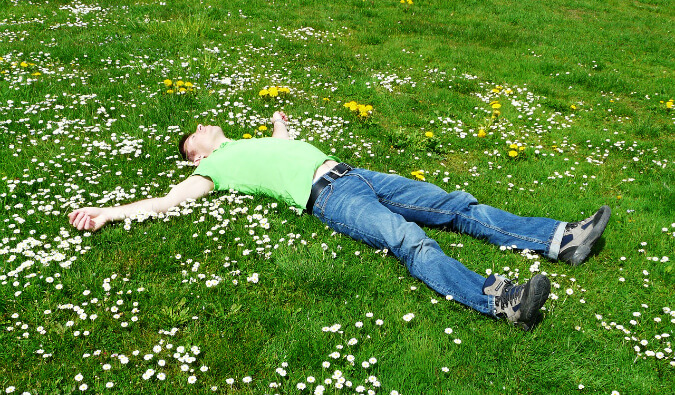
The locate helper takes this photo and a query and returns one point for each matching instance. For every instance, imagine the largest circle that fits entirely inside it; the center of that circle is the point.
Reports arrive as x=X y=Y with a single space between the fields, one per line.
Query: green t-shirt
x=280 y=168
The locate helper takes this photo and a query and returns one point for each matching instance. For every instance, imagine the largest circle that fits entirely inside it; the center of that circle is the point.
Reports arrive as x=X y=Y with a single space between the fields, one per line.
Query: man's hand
x=89 y=218
x=279 y=116
x=279 y=120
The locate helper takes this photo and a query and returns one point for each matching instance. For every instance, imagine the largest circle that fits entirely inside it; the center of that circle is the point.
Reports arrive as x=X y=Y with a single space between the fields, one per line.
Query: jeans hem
x=554 y=248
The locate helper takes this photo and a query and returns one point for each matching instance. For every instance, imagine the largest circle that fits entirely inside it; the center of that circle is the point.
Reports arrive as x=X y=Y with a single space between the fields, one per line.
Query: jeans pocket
x=322 y=200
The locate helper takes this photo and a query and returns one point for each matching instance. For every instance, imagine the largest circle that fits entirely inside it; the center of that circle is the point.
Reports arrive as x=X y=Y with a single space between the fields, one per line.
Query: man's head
x=201 y=143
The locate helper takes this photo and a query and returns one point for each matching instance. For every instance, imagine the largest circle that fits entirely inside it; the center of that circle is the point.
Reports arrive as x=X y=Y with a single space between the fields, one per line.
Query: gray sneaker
x=579 y=237
x=520 y=304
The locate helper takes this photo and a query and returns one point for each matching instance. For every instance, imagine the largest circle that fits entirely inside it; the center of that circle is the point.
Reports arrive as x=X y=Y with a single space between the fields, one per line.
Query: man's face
x=200 y=143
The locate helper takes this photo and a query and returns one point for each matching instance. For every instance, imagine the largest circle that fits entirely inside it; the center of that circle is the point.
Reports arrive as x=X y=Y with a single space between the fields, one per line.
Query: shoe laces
x=571 y=226
x=511 y=296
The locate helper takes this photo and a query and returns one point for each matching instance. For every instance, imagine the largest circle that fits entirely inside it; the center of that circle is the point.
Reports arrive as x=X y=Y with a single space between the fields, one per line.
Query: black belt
x=336 y=172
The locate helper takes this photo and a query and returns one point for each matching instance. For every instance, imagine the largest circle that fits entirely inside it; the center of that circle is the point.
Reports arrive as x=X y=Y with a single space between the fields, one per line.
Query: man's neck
x=219 y=141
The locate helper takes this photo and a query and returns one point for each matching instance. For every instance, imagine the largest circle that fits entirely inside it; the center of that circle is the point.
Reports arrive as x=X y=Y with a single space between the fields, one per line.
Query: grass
x=584 y=89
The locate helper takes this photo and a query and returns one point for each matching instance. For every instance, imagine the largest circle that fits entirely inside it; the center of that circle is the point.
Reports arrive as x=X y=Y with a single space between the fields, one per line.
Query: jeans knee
x=419 y=252
x=463 y=198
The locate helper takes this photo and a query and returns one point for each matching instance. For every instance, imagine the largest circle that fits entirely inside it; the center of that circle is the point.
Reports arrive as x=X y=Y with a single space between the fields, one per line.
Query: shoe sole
x=584 y=249
x=535 y=294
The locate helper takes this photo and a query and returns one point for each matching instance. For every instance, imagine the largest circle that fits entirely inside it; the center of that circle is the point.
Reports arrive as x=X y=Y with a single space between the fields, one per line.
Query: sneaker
x=520 y=304
x=496 y=284
x=579 y=237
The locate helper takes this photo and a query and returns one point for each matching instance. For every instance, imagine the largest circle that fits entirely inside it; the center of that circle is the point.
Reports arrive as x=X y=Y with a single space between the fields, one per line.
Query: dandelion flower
x=351 y=105
x=429 y=134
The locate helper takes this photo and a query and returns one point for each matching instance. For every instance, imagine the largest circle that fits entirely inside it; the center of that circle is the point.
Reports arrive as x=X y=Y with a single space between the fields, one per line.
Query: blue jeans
x=385 y=211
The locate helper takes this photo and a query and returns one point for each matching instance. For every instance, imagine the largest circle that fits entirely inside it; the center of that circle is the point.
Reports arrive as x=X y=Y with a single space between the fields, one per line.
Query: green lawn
x=539 y=108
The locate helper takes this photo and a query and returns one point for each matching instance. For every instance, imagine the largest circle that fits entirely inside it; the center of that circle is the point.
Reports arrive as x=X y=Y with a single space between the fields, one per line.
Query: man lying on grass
x=382 y=210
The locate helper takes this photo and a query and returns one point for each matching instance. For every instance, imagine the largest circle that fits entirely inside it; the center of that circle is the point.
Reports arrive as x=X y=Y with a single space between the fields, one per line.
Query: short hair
x=181 y=146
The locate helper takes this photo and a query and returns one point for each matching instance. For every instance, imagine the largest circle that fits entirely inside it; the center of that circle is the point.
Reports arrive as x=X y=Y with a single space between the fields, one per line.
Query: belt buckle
x=338 y=173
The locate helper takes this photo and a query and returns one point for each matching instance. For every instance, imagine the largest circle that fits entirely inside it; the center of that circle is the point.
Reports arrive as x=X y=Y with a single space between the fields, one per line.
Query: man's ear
x=197 y=160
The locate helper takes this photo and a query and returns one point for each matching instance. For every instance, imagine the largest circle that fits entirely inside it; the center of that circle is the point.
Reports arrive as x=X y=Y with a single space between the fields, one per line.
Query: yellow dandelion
x=418 y=174
x=410 y=2
x=351 y=105
x=284 y=90
x=513 y=154
x=37 y=73
x=273 y=91
x=361 y=108
x=169 y=91
x=481 y=133
x=168 y=82
x=402 y=1
x=262 y=128
x=429 y=134
x=363 y=114
x=496 y=113
x=495 y=105
x=573 y=107
x=369 y=108
x=513 y=146
x=508 y=91
x=326 y=99
x=23 y=64
x=521 y=148
x=263 y=92
x=669 y=104
x=182 y=90
x=188 y=85
x=246 y=136
x=180 y=83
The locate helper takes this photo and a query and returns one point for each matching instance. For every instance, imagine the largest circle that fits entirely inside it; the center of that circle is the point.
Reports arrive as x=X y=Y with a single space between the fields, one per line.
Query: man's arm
x=93 y=218
x=279 y=120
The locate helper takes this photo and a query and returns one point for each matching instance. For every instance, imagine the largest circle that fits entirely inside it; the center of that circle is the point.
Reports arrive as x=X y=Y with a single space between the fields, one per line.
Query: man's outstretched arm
x=93 y=218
